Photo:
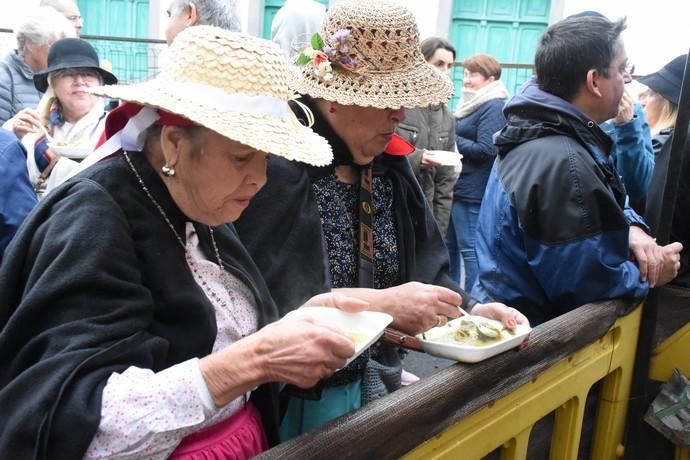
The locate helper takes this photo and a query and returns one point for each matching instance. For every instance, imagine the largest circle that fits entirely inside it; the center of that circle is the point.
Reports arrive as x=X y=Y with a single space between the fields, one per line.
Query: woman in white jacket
x=71 y=119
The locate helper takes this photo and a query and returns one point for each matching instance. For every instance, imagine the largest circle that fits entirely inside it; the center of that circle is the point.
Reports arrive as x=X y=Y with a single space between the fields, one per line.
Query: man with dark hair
x=554 y=230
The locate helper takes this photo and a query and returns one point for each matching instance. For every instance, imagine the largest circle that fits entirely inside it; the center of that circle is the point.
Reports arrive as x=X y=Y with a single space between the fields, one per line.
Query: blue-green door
x=505 y=29
x=119 y=18
x=271 y=7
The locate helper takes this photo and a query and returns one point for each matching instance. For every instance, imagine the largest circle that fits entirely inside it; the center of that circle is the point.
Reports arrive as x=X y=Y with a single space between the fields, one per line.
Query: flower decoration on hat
x=324 y=57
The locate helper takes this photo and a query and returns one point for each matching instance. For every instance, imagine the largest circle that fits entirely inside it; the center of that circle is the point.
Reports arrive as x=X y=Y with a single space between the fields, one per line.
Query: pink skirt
x=239 y=437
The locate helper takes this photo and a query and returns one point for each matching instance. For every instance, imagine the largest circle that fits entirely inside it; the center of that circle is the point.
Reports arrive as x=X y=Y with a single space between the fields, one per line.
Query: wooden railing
x=468 y=411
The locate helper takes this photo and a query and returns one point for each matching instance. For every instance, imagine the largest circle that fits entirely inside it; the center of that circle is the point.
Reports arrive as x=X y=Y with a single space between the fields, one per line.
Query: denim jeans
x=460 y=240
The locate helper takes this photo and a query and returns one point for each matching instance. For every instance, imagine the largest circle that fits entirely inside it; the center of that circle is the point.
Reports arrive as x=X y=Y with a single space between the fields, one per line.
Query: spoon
x=49 y=138
x=482 y=328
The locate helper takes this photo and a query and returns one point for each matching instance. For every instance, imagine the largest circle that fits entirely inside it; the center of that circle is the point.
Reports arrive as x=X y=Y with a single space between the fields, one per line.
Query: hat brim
x=659 y=84
x=41 y=78
x=417 y=85
x=286 y=138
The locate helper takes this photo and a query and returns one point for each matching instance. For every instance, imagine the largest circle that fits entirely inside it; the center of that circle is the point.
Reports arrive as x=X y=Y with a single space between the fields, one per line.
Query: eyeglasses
x=630 y=69
x=627 y=68
x=84 y=73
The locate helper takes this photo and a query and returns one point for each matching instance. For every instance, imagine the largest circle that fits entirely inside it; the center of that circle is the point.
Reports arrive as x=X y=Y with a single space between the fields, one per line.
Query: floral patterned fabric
x=338 y=204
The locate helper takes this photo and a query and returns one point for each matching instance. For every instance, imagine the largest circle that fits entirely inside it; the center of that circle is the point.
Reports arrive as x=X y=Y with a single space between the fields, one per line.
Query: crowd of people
x=147 y=277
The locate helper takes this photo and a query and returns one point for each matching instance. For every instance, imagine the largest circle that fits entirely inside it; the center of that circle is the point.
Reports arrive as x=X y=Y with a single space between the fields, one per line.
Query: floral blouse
x=338 y=204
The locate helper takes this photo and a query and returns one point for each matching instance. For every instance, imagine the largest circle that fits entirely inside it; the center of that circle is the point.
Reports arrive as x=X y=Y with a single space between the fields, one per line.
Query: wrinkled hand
x=301 y=351
x=647 y=253
x=509 y=316
x=338 y=300
x=625 y=109
x=670 y=263
x=417 y=307
x=26 y=121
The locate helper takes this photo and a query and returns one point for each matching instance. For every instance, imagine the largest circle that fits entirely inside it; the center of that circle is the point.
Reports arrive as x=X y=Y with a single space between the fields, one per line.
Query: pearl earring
x=168 y=171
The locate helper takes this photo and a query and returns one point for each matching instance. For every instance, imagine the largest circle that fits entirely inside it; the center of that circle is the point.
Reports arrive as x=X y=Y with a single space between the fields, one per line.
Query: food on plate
x=364 y=327
x=357 y=338
x=466 y=332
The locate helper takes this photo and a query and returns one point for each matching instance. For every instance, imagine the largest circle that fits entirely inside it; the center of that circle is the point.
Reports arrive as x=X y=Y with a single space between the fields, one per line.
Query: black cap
x=70 y=53
x=668 y=80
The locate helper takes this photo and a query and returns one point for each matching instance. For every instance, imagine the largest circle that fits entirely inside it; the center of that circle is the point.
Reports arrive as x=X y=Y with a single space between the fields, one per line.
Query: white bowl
x=368 y=325
x=432 y=342
x=71 y=151
x=445 y=158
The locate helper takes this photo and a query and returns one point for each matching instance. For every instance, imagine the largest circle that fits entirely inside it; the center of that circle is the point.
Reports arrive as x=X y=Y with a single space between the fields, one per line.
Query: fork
x=49 y=138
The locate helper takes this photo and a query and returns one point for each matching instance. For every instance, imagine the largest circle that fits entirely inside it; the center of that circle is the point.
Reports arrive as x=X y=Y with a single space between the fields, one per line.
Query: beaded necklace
x=208 y=289
x=165 y=216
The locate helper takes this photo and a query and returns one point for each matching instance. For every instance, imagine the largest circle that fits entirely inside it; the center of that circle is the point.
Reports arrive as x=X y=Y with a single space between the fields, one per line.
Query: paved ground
x=424 y=365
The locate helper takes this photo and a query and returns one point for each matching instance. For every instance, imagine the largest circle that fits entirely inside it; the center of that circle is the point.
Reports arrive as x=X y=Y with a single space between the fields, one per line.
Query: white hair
x=57 y=4
x=219 y=13
x=42 y=26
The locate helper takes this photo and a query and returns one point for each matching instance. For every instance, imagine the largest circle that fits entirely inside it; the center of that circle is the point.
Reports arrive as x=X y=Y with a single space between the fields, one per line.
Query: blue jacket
x=474 y=138
x=17 y=196
x=553 y=227
x=633 y=154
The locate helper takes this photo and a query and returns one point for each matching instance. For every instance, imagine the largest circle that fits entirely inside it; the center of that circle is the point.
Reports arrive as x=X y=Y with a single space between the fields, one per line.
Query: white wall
x=13 y=10
x=657 y=31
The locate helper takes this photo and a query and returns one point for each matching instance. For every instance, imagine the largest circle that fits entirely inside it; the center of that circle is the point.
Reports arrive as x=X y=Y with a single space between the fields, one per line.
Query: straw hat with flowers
x=233 y=84
x=368 y=54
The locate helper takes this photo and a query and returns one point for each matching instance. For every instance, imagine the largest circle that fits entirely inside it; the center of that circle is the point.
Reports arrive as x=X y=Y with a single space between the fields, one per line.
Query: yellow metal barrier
x=671 y=353
x=467 y=411
x=507 y=422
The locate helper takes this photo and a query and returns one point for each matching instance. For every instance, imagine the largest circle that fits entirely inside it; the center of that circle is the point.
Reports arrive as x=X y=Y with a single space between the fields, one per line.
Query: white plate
x=445 y=158
x=71 y=151
x=369 y=325
x=433 y=344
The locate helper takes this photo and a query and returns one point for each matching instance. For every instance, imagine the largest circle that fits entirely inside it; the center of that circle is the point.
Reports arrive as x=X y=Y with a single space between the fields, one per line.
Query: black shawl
x=94 y=282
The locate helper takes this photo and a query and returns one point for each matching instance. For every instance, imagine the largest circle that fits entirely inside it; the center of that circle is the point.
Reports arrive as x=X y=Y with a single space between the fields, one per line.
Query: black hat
x=668 y=80
x=70 y=53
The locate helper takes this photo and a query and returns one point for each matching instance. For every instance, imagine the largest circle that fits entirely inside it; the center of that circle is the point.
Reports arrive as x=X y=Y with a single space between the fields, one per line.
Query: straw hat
x=382 y=64
x=233 y=84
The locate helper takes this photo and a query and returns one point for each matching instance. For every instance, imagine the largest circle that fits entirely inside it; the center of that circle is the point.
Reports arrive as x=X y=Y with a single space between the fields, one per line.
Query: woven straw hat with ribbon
x=384 y=66
x=233 y=84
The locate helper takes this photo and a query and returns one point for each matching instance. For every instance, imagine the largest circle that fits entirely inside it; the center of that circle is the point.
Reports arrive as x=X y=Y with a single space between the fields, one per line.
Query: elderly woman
x=71 y=116
x=35 y=33
x=360 y=224
x=479 y=116
x=134 y=323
